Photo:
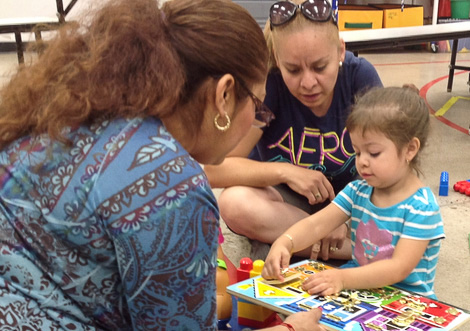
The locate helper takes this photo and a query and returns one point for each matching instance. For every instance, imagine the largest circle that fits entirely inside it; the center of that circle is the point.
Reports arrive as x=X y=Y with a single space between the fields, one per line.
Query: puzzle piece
x=288 y=275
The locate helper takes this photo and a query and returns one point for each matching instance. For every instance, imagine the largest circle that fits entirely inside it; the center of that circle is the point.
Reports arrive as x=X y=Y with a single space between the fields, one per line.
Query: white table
x=36 y=24
x=360 y=40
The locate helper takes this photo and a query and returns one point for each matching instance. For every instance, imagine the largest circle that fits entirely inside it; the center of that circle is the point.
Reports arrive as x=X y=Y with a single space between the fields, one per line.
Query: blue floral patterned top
x=116 y=229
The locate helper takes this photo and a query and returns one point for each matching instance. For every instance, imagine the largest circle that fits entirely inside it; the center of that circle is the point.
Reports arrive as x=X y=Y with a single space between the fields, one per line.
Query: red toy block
x=463 y=187
x=243 y=272
x=255 y=316
x=249 y=314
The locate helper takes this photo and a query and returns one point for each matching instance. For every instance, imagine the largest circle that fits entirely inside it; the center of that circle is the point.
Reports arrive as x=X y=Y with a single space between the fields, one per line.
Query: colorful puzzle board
x=387 y=308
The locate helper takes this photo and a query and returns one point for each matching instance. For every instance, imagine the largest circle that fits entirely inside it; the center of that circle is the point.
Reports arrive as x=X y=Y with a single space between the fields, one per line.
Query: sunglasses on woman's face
x=282 y=12
x=262 y=113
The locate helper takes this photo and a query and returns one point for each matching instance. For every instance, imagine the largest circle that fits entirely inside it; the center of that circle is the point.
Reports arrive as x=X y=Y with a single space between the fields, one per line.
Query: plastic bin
x=460 y=8
x=355 y=17
x=394 y=17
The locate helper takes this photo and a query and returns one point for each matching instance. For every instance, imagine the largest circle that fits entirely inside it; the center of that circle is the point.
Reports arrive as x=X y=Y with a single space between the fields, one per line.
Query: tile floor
x=448 y=150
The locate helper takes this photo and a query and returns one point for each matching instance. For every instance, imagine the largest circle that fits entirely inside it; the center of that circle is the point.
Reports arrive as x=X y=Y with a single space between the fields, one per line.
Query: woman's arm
x=241 y=171
x=406 y=257
x=233 y=170
x=238 y=170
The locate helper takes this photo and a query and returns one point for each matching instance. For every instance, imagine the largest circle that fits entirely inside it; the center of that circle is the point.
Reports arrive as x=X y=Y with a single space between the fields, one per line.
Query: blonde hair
x=298 y=23
x=397 y=112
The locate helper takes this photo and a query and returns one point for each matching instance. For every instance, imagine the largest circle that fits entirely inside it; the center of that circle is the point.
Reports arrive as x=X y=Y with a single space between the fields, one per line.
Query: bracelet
x=291 y=241
x=288 y=326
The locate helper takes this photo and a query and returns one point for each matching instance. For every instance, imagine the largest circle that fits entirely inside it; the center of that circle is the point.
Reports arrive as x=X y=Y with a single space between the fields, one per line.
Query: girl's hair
x=298 y=23
x=133 y=59
x=397 y=112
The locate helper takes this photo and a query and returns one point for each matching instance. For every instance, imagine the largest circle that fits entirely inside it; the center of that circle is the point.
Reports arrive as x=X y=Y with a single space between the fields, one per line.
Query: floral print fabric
x=115 y=229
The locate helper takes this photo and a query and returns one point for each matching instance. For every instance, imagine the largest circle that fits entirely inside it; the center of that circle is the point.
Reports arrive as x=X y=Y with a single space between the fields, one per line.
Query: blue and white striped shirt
x=375 y=231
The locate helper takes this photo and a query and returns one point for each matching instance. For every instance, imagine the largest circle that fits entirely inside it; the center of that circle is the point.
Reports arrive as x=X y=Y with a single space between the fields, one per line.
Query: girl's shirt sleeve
x=423 y=220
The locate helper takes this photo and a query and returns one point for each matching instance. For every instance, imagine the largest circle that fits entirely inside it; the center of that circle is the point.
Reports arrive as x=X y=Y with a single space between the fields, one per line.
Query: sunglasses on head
x=282 y=12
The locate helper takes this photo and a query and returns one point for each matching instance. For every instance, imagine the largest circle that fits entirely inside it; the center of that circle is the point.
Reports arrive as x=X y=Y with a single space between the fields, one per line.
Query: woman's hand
x=278 y=259
x=312 y=184
x=330 y=244
x=326 y=282
x=305 y=321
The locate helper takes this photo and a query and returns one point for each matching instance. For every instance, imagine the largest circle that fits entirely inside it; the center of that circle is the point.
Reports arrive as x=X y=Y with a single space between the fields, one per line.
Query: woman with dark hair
x=107 y=220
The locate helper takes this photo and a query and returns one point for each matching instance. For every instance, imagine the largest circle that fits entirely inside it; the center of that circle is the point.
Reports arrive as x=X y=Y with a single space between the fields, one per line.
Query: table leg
x=468 y=83
x=453 y=57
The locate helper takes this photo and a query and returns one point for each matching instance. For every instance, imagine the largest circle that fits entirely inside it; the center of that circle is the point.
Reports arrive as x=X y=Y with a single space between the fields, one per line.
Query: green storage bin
x=460 y=8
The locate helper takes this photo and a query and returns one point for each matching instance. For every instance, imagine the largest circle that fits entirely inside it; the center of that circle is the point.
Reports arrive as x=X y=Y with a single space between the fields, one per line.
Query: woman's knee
x=232 y=202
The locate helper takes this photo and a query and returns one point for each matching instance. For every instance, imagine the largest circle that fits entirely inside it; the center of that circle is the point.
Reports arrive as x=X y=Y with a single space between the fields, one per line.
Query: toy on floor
x=257 y=268
x=224 y=300
x=463 y=187
x=243 y=272
x=385 y=308
x=249 y=314
x=444 y=184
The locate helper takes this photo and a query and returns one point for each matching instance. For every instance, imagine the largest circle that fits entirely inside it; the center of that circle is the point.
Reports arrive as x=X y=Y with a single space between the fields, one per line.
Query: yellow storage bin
x=393 y=17
x=355 y=17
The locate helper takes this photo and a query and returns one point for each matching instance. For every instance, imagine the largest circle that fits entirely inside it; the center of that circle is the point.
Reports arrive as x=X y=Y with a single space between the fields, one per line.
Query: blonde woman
x=280 y=174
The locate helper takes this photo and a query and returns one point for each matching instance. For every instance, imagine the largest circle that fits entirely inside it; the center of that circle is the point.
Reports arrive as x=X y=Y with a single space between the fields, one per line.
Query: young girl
x=396 y=225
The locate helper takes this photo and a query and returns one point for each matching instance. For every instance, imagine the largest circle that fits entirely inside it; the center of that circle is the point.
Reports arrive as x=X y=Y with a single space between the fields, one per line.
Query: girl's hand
x=326 y=282
x=278 y=259
x=412 y=87
x=312 y=184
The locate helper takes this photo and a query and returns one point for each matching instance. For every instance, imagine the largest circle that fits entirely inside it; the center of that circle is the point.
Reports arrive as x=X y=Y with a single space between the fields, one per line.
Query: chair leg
x=60 y=11
x=19 y=47
x=39 y=47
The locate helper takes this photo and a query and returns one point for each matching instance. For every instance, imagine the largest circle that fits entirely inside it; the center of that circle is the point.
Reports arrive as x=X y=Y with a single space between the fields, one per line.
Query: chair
x=38 y=24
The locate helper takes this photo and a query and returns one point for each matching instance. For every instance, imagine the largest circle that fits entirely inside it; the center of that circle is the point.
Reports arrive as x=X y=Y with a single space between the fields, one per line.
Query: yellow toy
x=224 y=300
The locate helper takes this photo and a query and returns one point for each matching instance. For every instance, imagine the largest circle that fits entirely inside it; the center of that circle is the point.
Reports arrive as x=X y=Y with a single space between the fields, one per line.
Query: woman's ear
x=274 y=58
x=412 y=148
x=225 y=94
x=342 y=49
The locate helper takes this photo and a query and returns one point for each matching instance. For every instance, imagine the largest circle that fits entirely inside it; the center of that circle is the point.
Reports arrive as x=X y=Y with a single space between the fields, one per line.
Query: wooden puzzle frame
x=387 y=308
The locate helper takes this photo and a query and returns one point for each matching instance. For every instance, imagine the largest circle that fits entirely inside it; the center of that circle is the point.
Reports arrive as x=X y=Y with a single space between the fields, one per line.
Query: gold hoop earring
x=218 y=126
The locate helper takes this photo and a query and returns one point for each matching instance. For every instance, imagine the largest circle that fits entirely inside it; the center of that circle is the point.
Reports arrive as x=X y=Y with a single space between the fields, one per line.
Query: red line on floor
x=412 y=63
x=423 y=93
